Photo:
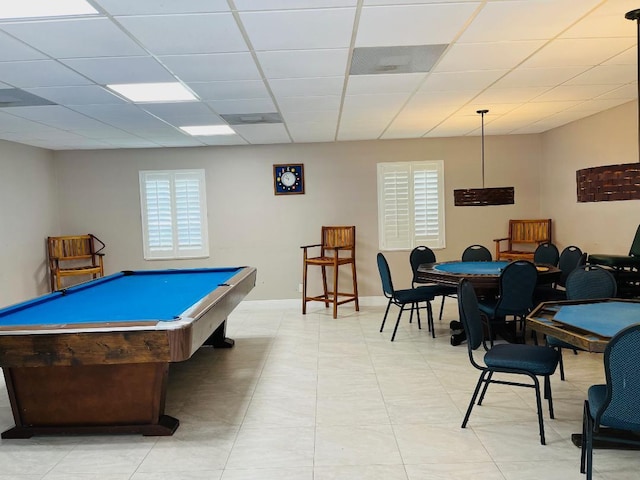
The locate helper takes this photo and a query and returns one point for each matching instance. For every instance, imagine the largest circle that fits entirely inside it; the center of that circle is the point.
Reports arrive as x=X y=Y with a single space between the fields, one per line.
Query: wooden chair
x=74 y=255
x=338 y=248
x=523 y=233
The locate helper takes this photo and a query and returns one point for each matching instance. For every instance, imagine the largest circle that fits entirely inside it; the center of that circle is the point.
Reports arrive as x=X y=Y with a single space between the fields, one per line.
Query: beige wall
x=608 y=138
x=28 y=214
x=97 y=192
x=249 y=225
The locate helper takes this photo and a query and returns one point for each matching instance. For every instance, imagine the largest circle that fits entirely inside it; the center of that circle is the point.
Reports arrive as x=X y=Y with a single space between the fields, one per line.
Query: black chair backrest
x=589 y=282
x=622 y=370
x=476 y=253
x=385 y=276
x=418 y=256
x=517 y=283
x=470 y=315
x=570 y=259
x=635 y=246
x=546 y=253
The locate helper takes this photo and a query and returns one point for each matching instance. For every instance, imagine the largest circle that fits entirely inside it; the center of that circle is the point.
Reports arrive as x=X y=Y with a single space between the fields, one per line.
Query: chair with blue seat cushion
x=570 y=259
x=515 y=298
x=419 y=256
x=546 y=253
x=405 y=299
x=613 y=408
x=530 y=360
x=476 y=253
x=584 y=283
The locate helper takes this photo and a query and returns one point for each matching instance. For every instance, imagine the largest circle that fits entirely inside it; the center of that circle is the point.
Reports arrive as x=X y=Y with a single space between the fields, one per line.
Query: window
x=410 y=205
x=174 y=214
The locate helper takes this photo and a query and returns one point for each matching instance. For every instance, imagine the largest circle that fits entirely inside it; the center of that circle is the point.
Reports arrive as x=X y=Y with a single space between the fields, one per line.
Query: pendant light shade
x=478 y=197
x=613 y=182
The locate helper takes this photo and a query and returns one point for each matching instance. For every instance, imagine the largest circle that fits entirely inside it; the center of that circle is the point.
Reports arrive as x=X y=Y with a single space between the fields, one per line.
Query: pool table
x=94 y=358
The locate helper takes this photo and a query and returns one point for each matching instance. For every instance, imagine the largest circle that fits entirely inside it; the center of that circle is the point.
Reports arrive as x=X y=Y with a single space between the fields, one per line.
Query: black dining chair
x=546 y=253
x=476 y=253
x=419 y=256
x=515 y=359
x=516 y=284
x=612 y=409
x=409 y=298
x=584 y=283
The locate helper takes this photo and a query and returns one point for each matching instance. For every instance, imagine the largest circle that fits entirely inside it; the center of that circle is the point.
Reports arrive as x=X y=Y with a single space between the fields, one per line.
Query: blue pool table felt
x=158 y=295
x=605 y=319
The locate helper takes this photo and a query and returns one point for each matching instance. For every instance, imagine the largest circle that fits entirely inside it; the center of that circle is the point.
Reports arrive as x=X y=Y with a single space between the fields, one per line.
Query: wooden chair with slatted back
x=74 y=255
x=524 y=237
x=338 y=248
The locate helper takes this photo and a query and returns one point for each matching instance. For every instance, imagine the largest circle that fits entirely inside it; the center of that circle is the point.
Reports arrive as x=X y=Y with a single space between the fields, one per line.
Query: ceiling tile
x=83 y=95
x=606 y=21
x=254 y=105
x=583 y=51
x=186 y=34
x=538 y=77
x=463 y=80
x=183 y=113
x=266 y=133
x=154 y=7
x=427 y=24
x=121 y=69
x=541 y=19
x=304 y=63
x=230 y=90
x=308 y=132
x=208 y=68
x=296 y=87
x=574 y=92
x=495 y=95
x=85 y=37
x=309 y=104
x=487 y=56
x=606 y=74
x=53 y=115
x=39 y=73
x=371 y=84
x=12 y=49
x=122 y=116
x=299 y=29
x=243 y=5
x=317 y=116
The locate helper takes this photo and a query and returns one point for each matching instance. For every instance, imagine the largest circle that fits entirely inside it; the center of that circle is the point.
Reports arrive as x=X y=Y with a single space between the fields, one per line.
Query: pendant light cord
x=482 y=112
x=635 y=15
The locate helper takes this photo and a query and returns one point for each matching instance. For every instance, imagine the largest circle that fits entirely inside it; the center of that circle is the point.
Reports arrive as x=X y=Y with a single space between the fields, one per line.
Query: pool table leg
x=219 y=339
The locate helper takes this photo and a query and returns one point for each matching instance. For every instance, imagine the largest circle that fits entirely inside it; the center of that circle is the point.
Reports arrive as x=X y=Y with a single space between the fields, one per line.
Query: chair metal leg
x=585 y=412
x=393 y=336
x=472 y=402
x=560 y=363
x=441 y=308
x=539 y=405
x=384 y=319
x=432 y=328
x=486 y=386
x=548 y=396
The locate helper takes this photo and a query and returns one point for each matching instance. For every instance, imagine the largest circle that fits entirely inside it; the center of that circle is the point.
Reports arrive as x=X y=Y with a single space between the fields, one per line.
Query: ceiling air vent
x=386 y=60
x=251 y=118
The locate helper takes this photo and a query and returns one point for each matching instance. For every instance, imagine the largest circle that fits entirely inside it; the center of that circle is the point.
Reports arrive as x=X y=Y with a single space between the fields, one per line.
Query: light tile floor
x=310 y=397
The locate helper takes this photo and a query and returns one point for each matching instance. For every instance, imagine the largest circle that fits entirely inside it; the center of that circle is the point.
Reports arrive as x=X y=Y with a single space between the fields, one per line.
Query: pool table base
x=89 y=399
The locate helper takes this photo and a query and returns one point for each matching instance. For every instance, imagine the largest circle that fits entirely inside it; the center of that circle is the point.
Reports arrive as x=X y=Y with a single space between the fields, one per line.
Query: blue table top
x=605 y=319
x=155 y=295
x=473 y=268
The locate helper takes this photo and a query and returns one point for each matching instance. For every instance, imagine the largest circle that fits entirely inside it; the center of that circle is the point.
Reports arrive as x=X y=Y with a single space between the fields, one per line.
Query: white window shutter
x=174 y=214
x=410 y=205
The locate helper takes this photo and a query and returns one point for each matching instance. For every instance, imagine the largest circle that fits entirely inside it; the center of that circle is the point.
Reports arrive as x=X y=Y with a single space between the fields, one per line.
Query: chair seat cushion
x=616 y=261
x=419 y=294
x=597 y=395
x=530 y=358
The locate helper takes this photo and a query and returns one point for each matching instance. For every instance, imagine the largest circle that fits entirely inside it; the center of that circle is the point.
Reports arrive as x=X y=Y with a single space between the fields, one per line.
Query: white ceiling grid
x=535 y=64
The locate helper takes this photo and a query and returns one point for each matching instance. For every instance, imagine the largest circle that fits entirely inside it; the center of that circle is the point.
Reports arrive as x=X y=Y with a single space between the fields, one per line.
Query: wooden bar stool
x=338 y=248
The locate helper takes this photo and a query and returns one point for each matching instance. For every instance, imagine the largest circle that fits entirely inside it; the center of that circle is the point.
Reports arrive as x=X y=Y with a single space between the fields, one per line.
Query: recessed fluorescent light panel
x=45 y=8
x=208 y=130
x=154 y=92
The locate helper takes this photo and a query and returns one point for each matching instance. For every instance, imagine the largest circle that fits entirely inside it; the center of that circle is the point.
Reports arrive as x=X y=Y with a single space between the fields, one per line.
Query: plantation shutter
x=173 y=214
x=410 y=205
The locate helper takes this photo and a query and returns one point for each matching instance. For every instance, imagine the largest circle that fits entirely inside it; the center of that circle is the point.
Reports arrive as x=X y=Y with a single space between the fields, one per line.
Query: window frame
x=175 y=251
x=407 y=237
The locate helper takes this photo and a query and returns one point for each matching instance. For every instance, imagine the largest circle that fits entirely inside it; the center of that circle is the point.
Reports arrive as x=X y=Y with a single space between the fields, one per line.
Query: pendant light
x=613 y=182
x=478 y=197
